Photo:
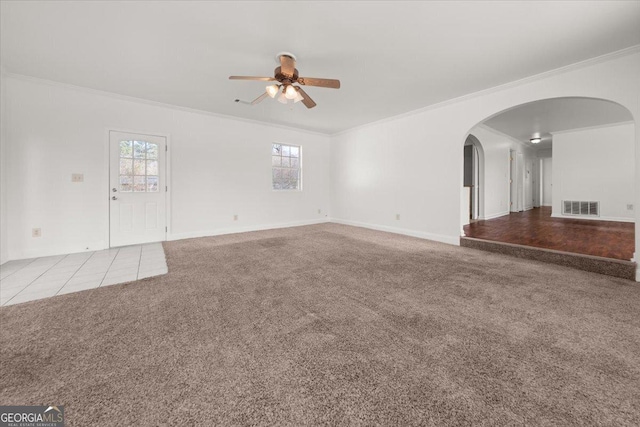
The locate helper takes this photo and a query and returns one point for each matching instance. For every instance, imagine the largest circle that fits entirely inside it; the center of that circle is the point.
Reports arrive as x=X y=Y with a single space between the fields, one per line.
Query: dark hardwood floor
x=536 y=228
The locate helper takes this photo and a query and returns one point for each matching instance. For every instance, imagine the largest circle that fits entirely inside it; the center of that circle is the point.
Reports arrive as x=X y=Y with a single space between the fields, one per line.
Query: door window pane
x=152 y=184
x=126 y=167
x=139 y=149
x=152 y=167
x=152 y=150
x=126 y=184
x=139 y=167
x=125 y=149
x=139 y=183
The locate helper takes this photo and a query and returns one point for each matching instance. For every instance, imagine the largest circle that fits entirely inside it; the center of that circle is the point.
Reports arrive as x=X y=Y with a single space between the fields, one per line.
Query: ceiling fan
x=286 y=75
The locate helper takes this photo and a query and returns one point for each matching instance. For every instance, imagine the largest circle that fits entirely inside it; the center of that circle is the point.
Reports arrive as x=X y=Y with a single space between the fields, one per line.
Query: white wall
x=412 y=164
x=545 y=153
x=595 y=165
x=547 y=181
x=4 y=253
x=496 y=147
x=219 y=167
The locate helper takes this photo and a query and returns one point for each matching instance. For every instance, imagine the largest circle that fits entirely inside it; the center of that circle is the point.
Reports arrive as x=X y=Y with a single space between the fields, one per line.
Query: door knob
x=114 y=198
x=114 y=189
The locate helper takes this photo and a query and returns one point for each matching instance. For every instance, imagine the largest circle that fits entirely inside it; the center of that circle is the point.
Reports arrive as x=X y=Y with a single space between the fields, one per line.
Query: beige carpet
x=332 y=325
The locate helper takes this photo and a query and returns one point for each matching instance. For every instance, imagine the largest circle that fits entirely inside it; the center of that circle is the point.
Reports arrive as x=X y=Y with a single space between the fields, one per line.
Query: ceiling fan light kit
x=287 y=75
x=272 y=90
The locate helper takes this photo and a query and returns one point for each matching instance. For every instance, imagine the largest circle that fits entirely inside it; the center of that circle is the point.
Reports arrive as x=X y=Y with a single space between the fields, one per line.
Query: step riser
x=610 y=267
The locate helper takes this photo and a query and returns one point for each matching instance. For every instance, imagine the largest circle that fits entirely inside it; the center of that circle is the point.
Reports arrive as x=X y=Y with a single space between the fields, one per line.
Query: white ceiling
x=541 y=118
x=392 y=57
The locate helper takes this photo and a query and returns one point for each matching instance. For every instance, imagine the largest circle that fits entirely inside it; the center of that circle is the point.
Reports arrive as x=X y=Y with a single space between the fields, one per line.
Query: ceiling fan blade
x=263 y=79
x=287 y=65
x=312 y=81
x=306 y=99
x=259 y=99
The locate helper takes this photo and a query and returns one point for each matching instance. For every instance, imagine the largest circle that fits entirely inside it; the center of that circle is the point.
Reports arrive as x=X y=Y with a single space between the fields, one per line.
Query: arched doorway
x=588 y=147
x=473 y=180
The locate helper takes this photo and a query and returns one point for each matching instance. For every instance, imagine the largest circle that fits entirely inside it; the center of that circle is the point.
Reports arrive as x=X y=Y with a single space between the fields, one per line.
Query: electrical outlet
x=629 y=207
x=77 y=177
x=235 y=217
x=397 y=217
x=36 y=232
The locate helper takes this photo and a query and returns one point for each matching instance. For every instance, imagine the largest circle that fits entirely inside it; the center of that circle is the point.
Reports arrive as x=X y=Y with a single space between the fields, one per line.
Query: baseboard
x=498 y=215
x=63 y=250
x=598 y=218
x=234 y=230
x=404 y=231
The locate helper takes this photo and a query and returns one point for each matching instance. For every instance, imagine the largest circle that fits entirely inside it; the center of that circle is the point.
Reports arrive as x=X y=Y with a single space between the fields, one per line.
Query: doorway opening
x=473 y=181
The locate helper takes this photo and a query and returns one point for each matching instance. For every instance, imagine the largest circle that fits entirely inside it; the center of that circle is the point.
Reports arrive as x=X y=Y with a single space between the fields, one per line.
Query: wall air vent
x=579 y=208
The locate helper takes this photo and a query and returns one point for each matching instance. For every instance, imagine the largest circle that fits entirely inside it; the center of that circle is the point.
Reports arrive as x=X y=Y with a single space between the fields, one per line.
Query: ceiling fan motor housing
x=284 y=78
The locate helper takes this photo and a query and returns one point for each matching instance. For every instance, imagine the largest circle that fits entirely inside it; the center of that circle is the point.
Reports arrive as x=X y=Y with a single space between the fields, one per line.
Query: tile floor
x=31 y=279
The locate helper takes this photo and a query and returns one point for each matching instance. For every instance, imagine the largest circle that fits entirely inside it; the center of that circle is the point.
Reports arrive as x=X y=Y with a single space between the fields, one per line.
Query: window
x=286 y=169
x=138 y=167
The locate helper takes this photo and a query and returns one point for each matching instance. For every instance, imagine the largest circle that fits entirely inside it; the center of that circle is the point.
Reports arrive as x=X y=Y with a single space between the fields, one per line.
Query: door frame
x=107 y=182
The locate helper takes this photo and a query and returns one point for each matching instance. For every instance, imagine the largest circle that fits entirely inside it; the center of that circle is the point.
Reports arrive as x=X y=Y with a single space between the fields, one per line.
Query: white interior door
x=528 y=185
x=137 y=191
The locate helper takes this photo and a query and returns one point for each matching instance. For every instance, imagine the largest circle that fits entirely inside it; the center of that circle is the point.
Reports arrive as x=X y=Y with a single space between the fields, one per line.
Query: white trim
x=61 y=250
x=235 y=230
x=559 y=132
x=595 y=218
x=545 y=74
x=156 y=103
x=451 y=240
x=497 y=215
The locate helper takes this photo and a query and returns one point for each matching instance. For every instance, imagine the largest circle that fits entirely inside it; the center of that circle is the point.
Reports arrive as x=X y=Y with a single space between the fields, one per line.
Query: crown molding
x=121 y=97
x=501 y=134
x=536 y=77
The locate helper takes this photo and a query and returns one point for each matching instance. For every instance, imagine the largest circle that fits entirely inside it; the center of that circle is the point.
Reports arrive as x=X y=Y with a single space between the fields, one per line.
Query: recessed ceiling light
x=535 y=140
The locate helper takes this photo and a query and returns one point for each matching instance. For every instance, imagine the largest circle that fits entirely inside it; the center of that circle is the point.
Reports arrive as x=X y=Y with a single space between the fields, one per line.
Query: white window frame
x=300 y=180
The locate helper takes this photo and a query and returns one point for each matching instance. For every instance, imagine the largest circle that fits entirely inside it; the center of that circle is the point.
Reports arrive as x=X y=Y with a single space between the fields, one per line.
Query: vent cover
x=580 y=208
